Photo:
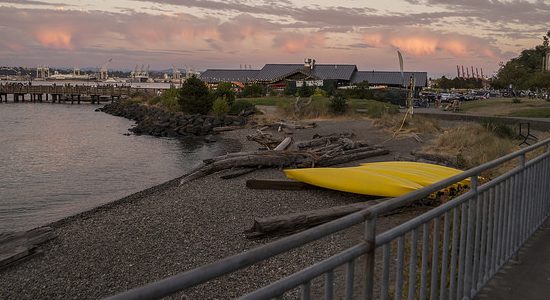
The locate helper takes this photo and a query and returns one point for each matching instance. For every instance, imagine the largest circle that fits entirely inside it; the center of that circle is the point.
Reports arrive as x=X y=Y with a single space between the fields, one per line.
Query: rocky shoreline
x=158 y=122
x=170 y=228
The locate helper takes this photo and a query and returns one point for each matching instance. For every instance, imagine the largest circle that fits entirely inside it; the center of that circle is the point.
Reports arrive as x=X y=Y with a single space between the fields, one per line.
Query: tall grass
x=417 y=124
x=472 y=144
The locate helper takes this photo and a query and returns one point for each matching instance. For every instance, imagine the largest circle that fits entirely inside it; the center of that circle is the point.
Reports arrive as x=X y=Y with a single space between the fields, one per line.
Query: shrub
x=290 y=88
x=220 y=107
x=194 y=97
x=154 y=101
x=338 y=104
x=241 y=105
x=252 y=90
x=319 y=92
x=305 y=91
x=225 y=90
x=516 y=100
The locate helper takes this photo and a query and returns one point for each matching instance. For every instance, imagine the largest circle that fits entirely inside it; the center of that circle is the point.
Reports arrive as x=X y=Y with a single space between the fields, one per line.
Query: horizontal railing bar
x=170 y=285
x=308 y=273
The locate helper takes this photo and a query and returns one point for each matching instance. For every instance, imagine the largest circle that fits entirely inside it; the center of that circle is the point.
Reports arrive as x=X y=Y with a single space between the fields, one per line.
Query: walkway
x=529 y=276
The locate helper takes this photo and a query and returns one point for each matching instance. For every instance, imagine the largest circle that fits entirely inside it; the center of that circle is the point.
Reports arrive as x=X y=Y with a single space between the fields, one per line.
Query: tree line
x=525 y=72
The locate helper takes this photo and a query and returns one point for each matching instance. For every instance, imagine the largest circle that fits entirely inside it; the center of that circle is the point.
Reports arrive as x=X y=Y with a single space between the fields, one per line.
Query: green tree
x=225 y=90
x=194 y=97
x=522 y=71
x=220 y=107
x=338 y=104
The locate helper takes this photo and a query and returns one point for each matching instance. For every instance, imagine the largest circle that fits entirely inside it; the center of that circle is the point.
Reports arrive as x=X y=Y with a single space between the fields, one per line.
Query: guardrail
x=464 y=241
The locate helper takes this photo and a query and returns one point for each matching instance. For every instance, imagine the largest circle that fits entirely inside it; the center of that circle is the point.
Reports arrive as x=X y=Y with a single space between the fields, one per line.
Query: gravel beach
x=169 y=228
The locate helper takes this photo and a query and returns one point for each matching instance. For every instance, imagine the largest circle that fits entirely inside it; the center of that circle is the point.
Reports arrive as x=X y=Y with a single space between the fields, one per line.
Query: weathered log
x=284 y=144
x=237 y=172
x=286 y=224
x=323 y=140
x=19 y=246
x=351 y=157
x=274 y=184
x=267 y=158
x=264 y=139
x=279 y=159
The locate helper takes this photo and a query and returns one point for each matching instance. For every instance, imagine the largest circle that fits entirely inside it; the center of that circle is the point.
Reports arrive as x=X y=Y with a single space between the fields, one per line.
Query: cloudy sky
x=433 y=35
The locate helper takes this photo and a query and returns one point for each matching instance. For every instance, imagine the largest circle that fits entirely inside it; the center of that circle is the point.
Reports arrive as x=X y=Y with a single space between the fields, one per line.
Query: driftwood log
x=277 y=159
x=286 y=224
x=16 y=247
x=321 y=151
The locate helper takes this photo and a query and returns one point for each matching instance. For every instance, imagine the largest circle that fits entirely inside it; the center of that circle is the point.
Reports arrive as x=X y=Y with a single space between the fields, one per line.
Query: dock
x=65 y=93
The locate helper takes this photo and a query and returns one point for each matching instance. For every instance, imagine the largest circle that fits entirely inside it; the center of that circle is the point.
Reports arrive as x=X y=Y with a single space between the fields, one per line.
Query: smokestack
x=463 y=72
x=477 y=73
x=457 y=71
x=482 y=73
x=472 y=71
x=467 y=73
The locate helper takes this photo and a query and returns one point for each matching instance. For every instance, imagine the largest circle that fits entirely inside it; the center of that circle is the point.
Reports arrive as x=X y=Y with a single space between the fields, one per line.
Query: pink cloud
x=295 y=43
x=54 y=38
x=421 y=43
x=416 y=45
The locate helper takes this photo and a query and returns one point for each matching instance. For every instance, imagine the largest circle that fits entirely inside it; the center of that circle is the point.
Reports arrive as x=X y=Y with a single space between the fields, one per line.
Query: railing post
x=370 y=239
x=468 y=272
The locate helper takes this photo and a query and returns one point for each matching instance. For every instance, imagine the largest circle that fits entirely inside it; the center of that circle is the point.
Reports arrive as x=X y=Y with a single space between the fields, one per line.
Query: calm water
x=58 y=160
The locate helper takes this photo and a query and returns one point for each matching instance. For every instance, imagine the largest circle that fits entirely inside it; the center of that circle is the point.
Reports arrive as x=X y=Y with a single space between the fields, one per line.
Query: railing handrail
x=205 y=273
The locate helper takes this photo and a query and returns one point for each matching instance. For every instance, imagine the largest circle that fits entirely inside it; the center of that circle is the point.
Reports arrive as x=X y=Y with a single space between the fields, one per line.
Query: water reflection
x=58 y=160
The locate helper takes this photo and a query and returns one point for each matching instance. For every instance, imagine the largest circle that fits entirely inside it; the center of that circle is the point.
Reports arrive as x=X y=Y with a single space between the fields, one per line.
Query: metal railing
x=449 y=252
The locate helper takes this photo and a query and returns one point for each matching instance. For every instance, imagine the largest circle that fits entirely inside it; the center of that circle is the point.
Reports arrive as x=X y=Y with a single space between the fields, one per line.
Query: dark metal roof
x=390 y=78
x=273 y=72
x=228 y=75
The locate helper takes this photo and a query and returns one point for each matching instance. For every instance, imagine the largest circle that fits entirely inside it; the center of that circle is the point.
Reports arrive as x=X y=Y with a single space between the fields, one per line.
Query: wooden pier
x=65 y=93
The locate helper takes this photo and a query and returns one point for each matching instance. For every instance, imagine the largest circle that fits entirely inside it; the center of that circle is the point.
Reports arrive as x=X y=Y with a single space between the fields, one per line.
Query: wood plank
x=274 y=184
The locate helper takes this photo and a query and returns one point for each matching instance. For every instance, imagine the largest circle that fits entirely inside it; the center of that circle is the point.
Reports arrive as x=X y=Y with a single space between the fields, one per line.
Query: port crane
x=103 y=71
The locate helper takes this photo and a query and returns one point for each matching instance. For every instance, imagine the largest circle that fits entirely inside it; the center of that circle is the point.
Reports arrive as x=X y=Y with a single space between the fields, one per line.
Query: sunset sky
x=433 y=35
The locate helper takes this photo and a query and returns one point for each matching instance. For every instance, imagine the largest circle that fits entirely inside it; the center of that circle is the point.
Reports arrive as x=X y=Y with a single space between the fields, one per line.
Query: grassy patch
x=473 y=105
x=416 y=124
x=320 y=108
x=374 y=109
x=269 y=101
x=541 y=112
x=472 y=144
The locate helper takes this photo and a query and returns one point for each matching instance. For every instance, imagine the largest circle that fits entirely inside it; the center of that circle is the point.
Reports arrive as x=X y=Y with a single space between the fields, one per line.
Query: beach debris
x=291 y=223
x=345 y=151
x=16 y=247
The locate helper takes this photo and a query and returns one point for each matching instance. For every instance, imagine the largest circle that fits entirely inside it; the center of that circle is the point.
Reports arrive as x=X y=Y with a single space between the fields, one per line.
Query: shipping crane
x=103 y=71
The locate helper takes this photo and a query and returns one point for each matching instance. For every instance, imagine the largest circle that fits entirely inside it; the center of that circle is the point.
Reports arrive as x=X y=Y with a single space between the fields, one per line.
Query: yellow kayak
x=416 y=169
x=423 y=178
x=354 y=180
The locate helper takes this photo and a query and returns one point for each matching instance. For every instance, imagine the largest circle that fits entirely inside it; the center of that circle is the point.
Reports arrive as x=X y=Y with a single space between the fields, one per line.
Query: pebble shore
x=169 y=228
